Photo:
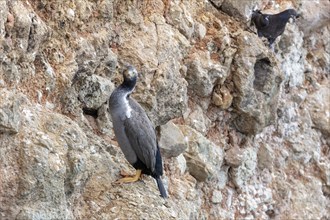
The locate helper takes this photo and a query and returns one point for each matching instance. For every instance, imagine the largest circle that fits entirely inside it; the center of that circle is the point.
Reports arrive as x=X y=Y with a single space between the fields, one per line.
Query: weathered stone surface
x=246 y=167
x=221 y=97
x=292 y=56
x=234 y=156
x=257 y=79
x=201 y=76
x=10 y=115
x=88 y=93
x=93 y=91
x=180 y=17
x=313 y=16
x=216 y=197
x=47 y=163
x=217 y=2
x=104 y=122
x=3 y=17
x=241 y=10
x=265 y=157
x=198 y=120
x=319 y=109
x=203 y=157
x=171 y=141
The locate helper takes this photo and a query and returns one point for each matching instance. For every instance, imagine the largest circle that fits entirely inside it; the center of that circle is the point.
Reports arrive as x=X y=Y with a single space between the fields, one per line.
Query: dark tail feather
x=161 y=187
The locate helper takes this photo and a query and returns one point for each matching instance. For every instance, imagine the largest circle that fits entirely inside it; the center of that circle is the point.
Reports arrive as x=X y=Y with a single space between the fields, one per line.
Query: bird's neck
x=126 y=90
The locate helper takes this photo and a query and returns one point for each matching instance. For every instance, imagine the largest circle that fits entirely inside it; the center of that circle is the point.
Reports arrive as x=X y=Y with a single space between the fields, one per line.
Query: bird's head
x=255 y=15
x=130 y=76
x=293 y=14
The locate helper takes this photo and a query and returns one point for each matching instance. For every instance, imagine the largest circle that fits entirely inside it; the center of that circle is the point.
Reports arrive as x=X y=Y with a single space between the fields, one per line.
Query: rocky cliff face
x=244 y=131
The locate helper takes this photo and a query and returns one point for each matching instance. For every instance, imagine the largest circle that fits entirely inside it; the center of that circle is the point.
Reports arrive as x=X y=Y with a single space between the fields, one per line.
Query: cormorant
x=134 y=132
x=272 y=26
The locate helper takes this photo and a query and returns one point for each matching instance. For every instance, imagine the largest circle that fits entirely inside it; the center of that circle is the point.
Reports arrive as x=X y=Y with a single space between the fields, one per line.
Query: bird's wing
x=141 y=136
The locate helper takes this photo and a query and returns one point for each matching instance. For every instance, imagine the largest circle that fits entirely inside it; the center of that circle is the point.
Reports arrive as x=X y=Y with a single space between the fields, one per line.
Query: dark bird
x=135 y=133
x=272 y=26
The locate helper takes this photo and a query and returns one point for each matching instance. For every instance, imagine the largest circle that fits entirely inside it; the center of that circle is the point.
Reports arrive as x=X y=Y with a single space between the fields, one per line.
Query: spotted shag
x=134 y=132
x=271 y=26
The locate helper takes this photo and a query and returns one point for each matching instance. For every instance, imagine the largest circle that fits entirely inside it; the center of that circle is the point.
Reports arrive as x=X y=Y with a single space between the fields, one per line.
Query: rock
x=301 y=137
x=171 y=142
x=182 y=164
x=313 y=17
x=246 y=169
x=200 y=31
x=325 y=172
x=3 y=17
x=39 y=163
x=104 y=121
x=265 y=157
x=234 y=156
x=221 y=97
x=241 y=10
x=201 y=76
x=198 y=120
x=308 y=199
x=10 y=115
x=180 y=18
x=217 y=3
x=29 y=30
x=292 y=56
x=160 y=89
x=203 y=157
x=216 y=197
x=256 y=104
x=319 y=109
x=89 y=92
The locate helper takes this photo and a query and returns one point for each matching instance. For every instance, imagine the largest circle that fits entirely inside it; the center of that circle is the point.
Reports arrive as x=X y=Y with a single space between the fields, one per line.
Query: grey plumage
x=134 y=131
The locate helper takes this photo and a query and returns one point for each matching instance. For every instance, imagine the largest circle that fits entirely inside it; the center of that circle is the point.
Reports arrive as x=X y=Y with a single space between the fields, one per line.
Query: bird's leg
x=131 y=179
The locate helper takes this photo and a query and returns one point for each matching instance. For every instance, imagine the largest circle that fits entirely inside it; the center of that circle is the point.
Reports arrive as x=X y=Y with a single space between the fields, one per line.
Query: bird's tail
x=161 y=187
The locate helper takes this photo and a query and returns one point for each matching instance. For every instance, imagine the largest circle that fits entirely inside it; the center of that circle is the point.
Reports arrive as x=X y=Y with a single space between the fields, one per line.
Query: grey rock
x=246 y=169
x=3 y=17
x=221 y=97
x=265 y=157
x=198 y=120
x=104 y=122
x=239 y=9
x=42 y=149
x=313 y=17
x=319 y=105
x=201 y=76
x=29 y=30
x=234 y=156
x=203 y=157
x=217 y=2
x=181 y=163
x=180 y=17
x=93 y=91
x=94 y=57
x=292 y=56
x=10 y=115
x=171 y=141
x=257 y=78
x=216 y=197
x=200 y=30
